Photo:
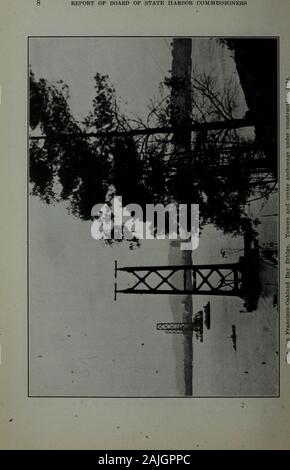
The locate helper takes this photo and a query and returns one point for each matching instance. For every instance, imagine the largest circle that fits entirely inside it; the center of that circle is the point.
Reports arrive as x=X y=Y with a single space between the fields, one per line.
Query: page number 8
x=38 y=3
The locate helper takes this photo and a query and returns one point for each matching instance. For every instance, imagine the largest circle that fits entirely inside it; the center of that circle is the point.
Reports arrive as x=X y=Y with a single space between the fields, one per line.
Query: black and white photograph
x=153 y=216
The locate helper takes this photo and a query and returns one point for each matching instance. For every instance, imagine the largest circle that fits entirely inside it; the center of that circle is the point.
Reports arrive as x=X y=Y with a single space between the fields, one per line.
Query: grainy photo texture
x=153 y=217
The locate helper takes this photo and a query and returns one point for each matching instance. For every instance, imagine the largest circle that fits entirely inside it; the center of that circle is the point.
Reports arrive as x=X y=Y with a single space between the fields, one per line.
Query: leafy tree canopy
x=85 y=171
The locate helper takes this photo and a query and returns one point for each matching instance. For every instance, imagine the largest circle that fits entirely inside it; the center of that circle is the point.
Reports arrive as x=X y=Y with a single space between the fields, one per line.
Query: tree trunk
x=198 y=126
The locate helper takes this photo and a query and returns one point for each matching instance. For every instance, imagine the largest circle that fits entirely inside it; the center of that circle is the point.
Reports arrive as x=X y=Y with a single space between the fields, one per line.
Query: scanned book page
x=144 y=179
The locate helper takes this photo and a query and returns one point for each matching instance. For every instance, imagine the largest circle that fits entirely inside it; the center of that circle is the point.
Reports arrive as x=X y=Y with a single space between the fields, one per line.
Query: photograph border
x=279 y=136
